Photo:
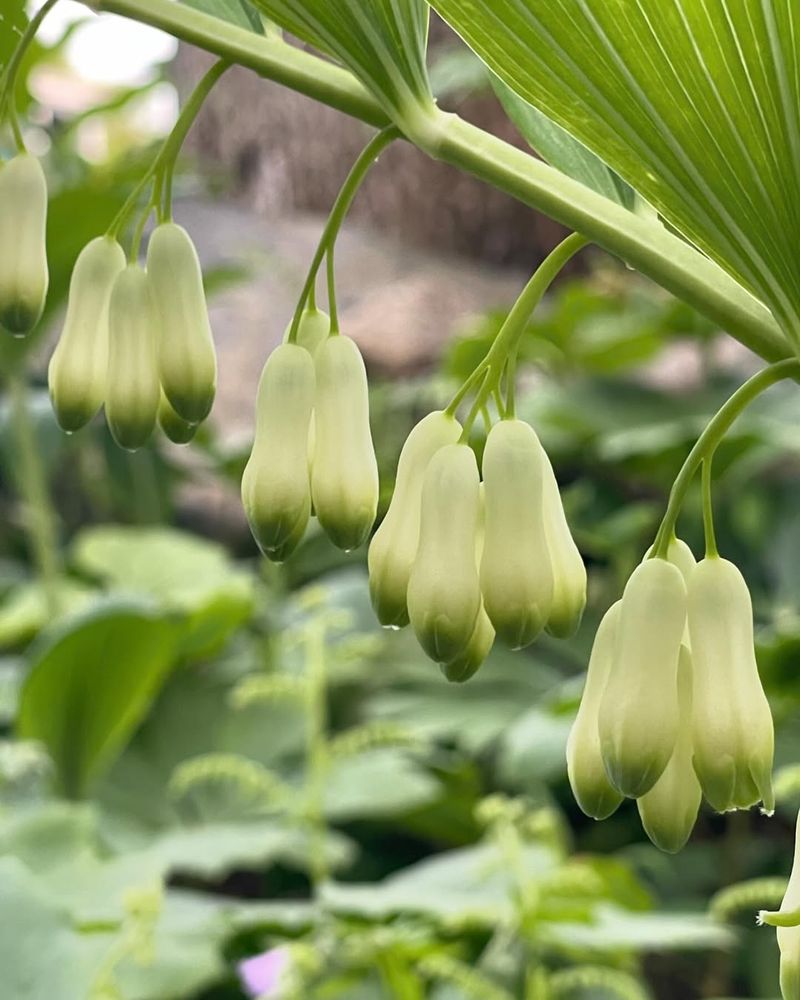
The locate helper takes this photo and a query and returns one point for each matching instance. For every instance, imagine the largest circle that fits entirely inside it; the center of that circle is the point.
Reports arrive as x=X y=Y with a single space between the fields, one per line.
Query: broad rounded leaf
x=695 y=105
x=91 y=683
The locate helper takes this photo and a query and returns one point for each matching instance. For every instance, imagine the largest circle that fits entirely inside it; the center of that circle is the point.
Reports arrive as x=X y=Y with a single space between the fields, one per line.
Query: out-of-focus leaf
x=377 y=783
x=13 y=21
x=25 y=611
x=91 y=683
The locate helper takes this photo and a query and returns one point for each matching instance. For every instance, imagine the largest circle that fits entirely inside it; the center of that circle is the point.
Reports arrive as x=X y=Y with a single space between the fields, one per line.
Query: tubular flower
x=569 y=572
x=394 y=545
x=313 y=329
x=669 y=810
x=639 y=707
x=516 y=576
x=789 y=934
x=187 y=361
x=587 y=775
x=731 y=719
x=276 y=493
x=178 y=430
x=344 y=473
x=23 y=257
x=132 y=387
x=444 y=595
x=79 y=366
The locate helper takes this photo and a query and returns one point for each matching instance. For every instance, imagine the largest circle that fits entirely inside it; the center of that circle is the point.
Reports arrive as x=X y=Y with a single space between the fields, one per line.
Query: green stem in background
x=708 y=510
x=8 y=79
x=643 y=243
x=39 y=516
x=709 y=440
x=341 y=206
x=316 y=749
x=507 y=340
x=163 y=166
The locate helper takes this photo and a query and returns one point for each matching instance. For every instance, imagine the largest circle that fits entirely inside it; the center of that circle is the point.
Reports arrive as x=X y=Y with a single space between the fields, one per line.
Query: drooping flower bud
x=187 y=361
x=639 y=707
x=516 y=576
x=178 y=430
x=732 y=724
x=789 y=937
x=79 y=366
x=313 y=330
x=569 y=572
x=669 y=810
x=444 y=594
x=394 y=544
x=344 y=474
x=276 y=492
x=23 y=254
x=587 y=774
x=132 y=388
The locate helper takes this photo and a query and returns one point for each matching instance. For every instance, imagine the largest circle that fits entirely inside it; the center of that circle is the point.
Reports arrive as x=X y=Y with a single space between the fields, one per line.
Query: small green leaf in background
x=91 y=684
x=558 y=148
x=695 y=105
x=13 y=21
x=238 y=12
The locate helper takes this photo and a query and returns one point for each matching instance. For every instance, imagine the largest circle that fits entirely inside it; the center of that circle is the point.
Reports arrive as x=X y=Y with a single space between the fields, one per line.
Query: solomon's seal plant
x=679 y=154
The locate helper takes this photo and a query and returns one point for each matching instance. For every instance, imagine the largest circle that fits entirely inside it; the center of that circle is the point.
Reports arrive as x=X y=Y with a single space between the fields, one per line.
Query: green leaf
x=375 y=784
x=13 y=21
x=182 y=572
x=382 y=42
x=238 y=12
x=695 y=105
x=90 y=685
x=24 y=612
x=561 y=150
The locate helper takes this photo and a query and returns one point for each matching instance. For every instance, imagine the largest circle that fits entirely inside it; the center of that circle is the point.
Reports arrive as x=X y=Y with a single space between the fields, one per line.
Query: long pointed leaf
x=695 y=103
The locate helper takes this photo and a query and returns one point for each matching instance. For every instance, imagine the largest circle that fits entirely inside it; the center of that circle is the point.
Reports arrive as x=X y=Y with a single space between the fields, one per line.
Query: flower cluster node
x=673 y=708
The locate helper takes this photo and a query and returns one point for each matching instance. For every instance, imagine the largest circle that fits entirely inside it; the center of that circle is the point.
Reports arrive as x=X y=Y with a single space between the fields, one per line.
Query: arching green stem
x=505 y=344
x=709 y=440
x=344 y=200
x=163 y=166
x=708 y=510
x=9 y=77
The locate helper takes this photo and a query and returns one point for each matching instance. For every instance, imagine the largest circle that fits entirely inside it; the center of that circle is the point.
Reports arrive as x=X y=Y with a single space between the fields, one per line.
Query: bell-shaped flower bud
x=132 y=388
x=178 y=430
x=787 y=921
x=187 y=361
x=276 y=492
x=394 y=544
x=313 y=329
x=444 y=594
x=344 y=473
x=79 y=366
x=593 y=791
x=732 y=728
x=639 y=708
x=569 y=572
x=669 y=810
x=23 y=254
x=516 y=576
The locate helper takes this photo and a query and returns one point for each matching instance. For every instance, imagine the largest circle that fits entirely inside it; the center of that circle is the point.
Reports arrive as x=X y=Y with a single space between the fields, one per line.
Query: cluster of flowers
x=135 y=339
x=673 y=708
x=466 y=561
x=312 y=450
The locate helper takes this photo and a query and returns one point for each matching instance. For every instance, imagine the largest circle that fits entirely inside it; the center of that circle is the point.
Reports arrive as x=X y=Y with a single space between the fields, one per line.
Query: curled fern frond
x=757 y=894
x=258 y=786
x=787 y=783
x=449 y=970
x=268 y=687
x=596 y=981
x=372 y=736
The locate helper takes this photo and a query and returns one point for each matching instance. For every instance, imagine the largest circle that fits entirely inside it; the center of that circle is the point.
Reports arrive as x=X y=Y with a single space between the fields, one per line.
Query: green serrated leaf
x=90 y=685
x=238 y=12
x=383 y=42
x=695 y=105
